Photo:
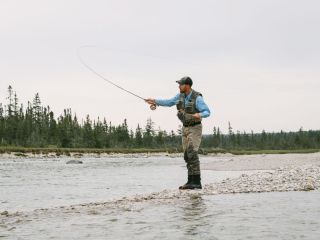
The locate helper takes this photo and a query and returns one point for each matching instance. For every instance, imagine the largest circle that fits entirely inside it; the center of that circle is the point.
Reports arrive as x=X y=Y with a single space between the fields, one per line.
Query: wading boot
x=186 y=185
x=195 y=183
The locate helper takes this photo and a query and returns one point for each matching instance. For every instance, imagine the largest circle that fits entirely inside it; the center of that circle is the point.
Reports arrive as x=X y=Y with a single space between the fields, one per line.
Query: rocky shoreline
x=291 y=178
x=15 y=155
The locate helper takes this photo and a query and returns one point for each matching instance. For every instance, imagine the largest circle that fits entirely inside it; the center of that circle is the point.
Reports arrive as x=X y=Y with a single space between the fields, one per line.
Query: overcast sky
x=256 y=62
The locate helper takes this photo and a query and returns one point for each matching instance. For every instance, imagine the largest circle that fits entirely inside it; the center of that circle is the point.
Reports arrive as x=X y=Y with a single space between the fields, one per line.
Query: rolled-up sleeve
x=202 y=107
x=168 y=102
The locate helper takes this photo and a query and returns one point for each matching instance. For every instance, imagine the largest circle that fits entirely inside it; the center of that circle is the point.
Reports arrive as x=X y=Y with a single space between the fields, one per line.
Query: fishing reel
x=153 y=107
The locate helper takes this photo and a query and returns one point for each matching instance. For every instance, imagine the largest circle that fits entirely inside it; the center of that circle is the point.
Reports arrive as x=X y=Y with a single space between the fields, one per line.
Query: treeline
x=263 y=141
x=35 y=125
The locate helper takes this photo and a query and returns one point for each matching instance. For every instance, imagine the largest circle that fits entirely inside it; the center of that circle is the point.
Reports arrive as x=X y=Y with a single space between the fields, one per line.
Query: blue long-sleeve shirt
x=201 y=106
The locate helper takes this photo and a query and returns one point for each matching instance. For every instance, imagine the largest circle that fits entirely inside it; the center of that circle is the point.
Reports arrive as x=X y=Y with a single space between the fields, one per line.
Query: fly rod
x=102 y=77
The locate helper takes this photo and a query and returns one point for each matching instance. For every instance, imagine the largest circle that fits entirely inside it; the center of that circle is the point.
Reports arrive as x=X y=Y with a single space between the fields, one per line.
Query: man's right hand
x=150 y=101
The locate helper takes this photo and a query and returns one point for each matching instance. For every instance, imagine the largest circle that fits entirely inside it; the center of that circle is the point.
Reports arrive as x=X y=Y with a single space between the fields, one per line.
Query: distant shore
x=79 y=152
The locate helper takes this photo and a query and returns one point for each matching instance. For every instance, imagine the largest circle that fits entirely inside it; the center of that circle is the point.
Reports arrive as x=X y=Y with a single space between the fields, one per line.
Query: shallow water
x=28 y=184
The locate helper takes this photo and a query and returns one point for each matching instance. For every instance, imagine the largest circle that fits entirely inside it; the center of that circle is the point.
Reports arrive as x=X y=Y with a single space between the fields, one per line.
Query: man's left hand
x=196 y=116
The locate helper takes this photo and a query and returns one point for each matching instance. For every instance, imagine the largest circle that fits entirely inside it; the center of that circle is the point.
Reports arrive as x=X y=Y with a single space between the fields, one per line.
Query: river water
x=27 y=184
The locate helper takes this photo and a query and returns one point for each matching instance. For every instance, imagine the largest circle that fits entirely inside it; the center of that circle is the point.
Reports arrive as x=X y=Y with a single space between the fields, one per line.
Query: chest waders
x=191 y=138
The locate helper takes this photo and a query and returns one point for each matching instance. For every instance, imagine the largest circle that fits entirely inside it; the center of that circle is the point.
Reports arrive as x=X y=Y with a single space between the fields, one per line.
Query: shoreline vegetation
x=78 y=152
x=35 y=129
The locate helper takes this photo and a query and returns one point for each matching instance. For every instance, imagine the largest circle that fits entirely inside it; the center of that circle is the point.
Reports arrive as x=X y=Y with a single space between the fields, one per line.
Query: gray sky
x=256 y=62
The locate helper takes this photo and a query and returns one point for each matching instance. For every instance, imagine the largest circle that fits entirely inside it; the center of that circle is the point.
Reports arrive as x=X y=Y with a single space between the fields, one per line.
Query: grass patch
x=19 y=154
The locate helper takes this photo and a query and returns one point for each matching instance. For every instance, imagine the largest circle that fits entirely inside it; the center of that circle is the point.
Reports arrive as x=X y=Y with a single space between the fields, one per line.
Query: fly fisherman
x=191 y=109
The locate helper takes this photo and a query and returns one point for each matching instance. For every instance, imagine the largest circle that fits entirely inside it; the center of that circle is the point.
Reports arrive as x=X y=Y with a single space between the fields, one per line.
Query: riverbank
x=79 y=152
x=262 y=162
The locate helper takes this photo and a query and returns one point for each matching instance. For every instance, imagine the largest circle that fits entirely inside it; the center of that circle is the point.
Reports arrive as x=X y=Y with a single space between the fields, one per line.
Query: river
x=30 y=184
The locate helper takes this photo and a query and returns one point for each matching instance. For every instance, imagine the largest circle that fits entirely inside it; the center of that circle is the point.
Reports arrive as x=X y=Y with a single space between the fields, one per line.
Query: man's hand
x=196 y=116
x=150 y=101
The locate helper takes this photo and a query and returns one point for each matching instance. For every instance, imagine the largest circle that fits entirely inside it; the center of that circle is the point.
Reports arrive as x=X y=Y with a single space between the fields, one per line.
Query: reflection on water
x=193 y=216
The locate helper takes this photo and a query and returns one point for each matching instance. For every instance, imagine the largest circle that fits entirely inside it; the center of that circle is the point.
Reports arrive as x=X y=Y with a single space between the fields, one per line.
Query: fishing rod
x=152 y=107
x=102 y=77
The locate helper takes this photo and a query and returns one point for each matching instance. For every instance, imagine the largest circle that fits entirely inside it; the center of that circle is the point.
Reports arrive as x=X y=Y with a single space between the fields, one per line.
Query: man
x=191 y=109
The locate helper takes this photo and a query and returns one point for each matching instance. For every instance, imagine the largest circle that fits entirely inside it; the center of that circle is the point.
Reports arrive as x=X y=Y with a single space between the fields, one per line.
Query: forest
x=35 y=125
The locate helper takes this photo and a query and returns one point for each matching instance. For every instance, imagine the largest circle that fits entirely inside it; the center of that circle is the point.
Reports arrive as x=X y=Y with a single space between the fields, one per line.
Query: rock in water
x=308 y=187
x=74 y=162
x=5 y=213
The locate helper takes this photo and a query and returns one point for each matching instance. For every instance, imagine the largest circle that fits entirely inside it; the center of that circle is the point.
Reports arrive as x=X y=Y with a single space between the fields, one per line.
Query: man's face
x=182 y=88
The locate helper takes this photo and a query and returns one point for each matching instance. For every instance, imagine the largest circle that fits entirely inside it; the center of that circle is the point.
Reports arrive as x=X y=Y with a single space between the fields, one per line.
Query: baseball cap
x=185 y=80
